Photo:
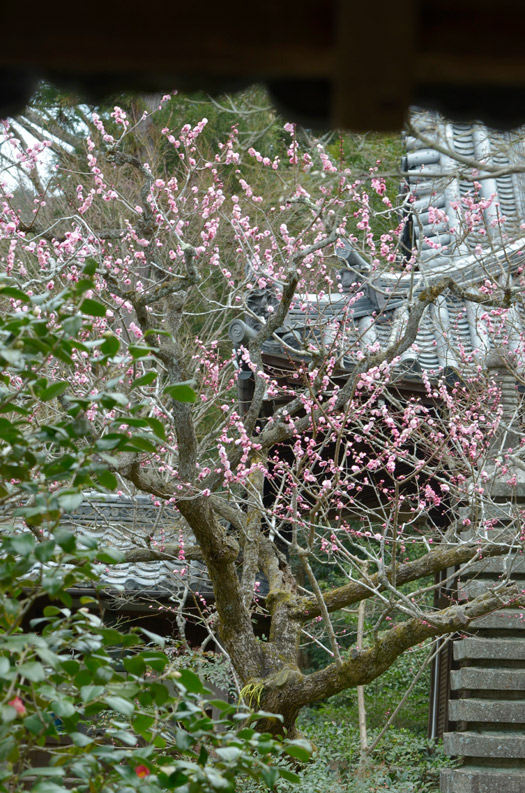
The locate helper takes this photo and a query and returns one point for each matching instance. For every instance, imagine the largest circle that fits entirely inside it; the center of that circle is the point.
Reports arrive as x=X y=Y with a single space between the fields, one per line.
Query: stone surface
x=507 y=619
x=487 y=744
x=498 y=487
x=489 y=710
x=476 y=678
x=492 y=510
x=482 y=780
x=471 y=588
x=499 y=565
x=490 y=649
x=499 y=534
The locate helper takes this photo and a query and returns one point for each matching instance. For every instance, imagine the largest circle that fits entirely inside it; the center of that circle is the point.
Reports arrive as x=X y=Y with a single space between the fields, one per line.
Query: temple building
x=451 y=173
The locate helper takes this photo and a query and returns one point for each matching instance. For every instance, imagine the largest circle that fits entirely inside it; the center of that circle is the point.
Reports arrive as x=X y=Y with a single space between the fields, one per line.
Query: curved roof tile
x=452 y=332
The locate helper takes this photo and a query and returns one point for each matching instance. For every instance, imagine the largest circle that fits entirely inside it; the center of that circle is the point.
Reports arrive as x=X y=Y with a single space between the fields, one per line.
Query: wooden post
x=361 y=710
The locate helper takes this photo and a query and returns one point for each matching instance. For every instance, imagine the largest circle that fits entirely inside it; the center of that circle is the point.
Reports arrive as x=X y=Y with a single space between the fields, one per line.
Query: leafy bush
x=213 y=668
x=89 y=708
x=384 y=693
x=84 y=706
x=403 y=762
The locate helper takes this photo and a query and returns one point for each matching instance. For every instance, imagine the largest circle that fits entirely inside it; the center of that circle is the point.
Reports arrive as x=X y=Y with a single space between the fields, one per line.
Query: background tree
x=334 y=483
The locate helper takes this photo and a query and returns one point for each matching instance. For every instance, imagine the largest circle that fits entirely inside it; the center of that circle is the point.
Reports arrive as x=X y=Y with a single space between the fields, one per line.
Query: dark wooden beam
x=334 y=62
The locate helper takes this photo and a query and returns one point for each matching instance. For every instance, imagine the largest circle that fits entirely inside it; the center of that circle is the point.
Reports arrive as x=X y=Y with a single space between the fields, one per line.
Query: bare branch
x=439 y=558
x=364 y=666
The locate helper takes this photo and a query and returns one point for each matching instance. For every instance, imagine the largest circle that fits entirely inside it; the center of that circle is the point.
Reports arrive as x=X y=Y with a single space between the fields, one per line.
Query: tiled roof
x=452 y=330
x=130 y=524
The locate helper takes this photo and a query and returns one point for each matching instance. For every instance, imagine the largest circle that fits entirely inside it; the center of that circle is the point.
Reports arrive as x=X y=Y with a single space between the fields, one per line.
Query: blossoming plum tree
x=327 y=472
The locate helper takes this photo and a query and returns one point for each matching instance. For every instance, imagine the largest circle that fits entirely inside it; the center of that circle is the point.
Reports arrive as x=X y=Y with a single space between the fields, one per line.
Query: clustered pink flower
x=18 y=705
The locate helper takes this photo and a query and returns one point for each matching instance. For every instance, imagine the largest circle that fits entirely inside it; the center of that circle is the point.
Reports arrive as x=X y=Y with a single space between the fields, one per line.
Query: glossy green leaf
x=181 y=392
x=142 y=444
x=154 y=637
x=143 y=722
x=156 y=660
x=110 y=556
x=134 y=664
x=44 y=551
x=290 y=776
x=49 y=770
x=191 y=682
x=157 y=426
x=124 y=736
x=91 y=692
x=90 y=266
x=229 y=753
x=270 y=775
x=63 y=708
x=83 y=285
x=109 y=441
x=107 y=479
x=70 y=666
x=120 y=705
x=93 y=308
x=69 y=501
x=33 y=671
x=72 y=325
x=146 y=379
x=132 y=421
x=21 y=544
x=139 y=351
x=184 y=740
x=110 y=346
x=48 y=787
x=54 y=390
x=299 y=749
x=12 y=291
x=79 y=739
x=160 y=693
x=6 y=747
x=65 y=538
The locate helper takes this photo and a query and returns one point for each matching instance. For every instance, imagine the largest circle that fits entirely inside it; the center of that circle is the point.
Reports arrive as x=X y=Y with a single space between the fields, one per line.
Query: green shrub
x=92 y=709
x=383 y=695
x=402 y=763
